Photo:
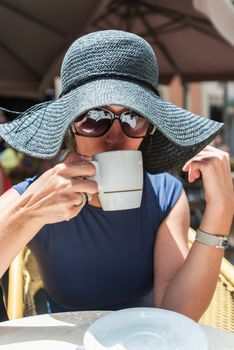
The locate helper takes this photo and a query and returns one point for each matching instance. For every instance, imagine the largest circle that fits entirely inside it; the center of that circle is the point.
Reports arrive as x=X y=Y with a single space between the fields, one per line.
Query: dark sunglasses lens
x=94 y=123
x=133 y=125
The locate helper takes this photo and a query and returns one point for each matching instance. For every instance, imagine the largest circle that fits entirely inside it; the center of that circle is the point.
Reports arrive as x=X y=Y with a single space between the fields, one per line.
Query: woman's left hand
x=214 y=167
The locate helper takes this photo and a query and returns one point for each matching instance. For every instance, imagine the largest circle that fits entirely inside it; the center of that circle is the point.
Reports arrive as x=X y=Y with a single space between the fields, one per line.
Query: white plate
x=145 y=329
x=39 y=345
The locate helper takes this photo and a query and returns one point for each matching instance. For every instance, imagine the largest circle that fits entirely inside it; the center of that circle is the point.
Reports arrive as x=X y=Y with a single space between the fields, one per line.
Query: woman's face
x=113 y=140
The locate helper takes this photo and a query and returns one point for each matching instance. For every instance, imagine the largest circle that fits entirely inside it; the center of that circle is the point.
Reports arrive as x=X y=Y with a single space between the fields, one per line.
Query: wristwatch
x=216 y=241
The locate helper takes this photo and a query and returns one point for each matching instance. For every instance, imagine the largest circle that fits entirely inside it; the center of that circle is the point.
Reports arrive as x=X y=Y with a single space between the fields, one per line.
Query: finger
x=196 y=169
x=223 y=160
x=216 y=150
x=197 y=166
x=207 y=155
x=209 y=152
x=187 y=165
x=193 y=174
x=24 y=199
x=83 y=168
x=211 y=149
x=212 y=152
x=84 y=185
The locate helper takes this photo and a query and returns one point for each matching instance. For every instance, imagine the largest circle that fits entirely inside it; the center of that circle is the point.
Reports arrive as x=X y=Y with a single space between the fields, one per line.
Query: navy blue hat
x=112 y=67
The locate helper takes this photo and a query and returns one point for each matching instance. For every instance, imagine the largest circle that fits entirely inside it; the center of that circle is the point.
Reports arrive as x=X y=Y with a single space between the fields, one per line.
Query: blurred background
x=193 y=40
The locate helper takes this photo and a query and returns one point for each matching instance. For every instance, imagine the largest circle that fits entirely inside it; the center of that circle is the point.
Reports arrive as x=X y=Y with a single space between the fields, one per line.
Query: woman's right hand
x=57 y=194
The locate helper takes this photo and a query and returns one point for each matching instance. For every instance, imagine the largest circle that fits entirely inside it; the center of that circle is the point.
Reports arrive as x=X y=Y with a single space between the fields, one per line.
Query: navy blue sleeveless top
x=104 y=259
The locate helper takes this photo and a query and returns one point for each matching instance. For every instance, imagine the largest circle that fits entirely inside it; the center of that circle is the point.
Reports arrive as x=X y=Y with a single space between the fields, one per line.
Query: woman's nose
x=115 y=134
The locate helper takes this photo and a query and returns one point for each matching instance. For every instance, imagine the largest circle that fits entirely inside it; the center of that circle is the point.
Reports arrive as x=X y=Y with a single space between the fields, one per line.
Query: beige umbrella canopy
x=35 y=34
x=221 y=14
x=33 y=37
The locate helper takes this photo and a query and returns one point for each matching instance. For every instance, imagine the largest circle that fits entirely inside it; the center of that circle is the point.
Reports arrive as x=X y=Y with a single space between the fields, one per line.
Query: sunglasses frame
x=113 y=118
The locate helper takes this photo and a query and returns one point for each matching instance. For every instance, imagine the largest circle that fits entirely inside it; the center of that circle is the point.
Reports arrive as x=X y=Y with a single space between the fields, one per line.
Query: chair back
x=24 y=283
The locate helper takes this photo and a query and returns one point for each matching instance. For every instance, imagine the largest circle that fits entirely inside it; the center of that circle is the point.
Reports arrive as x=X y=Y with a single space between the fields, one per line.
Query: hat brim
x=180 y=134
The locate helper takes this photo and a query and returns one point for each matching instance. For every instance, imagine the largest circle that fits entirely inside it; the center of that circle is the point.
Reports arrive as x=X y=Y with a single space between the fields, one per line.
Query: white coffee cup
x=119 y=175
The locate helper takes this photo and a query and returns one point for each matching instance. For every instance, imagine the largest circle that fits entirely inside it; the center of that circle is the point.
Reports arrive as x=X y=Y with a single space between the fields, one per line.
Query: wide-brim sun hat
x=112 y=67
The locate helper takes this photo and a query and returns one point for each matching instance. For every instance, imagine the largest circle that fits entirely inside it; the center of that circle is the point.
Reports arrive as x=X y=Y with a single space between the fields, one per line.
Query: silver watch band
x=216 y=241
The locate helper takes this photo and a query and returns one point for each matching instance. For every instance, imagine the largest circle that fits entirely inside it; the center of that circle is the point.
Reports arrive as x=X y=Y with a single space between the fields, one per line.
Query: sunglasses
x=97 y=122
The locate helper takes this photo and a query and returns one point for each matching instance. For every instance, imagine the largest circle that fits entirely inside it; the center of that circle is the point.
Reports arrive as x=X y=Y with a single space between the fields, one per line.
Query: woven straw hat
x=112 y=67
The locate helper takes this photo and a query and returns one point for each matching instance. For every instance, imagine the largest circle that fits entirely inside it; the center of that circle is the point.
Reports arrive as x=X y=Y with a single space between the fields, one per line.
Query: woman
x=91 y=259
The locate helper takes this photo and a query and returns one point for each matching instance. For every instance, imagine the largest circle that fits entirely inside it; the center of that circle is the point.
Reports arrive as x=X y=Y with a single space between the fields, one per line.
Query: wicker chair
x=24 y=282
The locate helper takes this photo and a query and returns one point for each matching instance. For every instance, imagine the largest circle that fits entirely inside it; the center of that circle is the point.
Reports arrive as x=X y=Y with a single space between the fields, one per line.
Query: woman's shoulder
x=163 y=181
x=166 y=188
x=23 y=185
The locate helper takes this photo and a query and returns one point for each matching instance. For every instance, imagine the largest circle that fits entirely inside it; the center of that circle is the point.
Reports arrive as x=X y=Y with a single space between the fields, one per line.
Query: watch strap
x=217 y=241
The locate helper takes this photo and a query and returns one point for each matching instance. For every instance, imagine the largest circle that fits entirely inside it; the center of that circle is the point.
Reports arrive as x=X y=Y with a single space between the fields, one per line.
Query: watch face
x=223 y=242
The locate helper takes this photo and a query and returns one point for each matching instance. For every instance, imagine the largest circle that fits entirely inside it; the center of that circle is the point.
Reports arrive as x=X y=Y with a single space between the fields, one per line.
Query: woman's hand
x=213 y=165
x=57 y=194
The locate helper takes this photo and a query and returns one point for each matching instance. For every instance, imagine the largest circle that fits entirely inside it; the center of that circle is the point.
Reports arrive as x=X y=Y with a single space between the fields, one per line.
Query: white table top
x=68 y=330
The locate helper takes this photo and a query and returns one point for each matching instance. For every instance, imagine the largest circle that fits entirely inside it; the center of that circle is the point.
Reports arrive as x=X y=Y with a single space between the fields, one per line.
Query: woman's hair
x=69 y=143
x=68 y=146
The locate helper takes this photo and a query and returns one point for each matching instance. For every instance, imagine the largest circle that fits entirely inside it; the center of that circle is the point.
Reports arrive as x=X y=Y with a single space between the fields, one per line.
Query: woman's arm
x=186 y=284
x=17 y=228
x=55 y=196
